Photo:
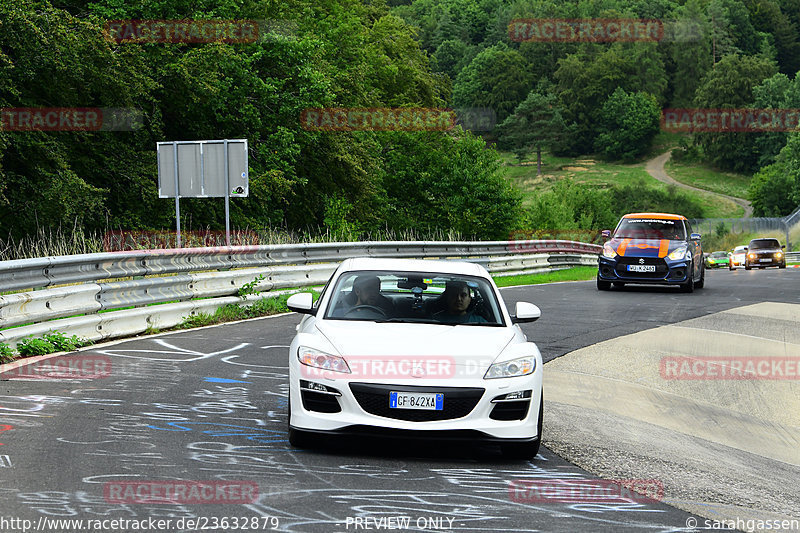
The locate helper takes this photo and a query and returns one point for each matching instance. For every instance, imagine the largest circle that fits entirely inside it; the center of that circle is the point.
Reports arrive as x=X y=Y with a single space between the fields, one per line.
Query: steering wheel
x=370 y=307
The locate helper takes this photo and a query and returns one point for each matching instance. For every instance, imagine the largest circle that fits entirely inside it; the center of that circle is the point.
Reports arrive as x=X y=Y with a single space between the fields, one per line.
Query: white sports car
x=419 y=348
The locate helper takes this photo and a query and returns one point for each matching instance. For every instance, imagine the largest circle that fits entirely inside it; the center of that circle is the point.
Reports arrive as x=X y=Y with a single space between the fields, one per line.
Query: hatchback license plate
x=431 y=401
x=641 y=268
x=766 y=260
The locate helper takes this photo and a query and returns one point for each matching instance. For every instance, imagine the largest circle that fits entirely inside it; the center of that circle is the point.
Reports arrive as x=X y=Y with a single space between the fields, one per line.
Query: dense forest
x=567 y=98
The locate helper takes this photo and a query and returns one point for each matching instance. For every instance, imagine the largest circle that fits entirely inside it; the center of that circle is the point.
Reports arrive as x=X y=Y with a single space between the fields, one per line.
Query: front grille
x=510 y=410
x=374 y=399
x=766 y=255
x=319 y=402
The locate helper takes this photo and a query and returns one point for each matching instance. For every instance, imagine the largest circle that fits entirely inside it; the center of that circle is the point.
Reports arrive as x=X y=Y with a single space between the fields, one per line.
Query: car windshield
x=719 y=254
x=763 y=244
x=650 y=228
x=419 y=297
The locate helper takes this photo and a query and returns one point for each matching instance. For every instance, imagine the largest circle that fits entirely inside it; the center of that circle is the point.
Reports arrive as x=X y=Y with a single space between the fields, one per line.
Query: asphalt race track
x=210 y=404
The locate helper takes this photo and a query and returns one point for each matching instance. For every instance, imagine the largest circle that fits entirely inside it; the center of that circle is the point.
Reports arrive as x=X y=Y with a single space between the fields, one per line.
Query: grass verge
x=233 y=312
x=710 y=179
x=600 y=174
x=581 y=273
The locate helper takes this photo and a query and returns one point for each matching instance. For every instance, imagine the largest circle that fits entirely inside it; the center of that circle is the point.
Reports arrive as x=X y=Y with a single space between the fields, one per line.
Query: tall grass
x=59 y=241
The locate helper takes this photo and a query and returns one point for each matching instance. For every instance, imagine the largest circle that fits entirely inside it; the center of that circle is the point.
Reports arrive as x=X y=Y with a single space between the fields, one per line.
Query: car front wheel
x=603 y=285
x=702 y=281
x=688 y=285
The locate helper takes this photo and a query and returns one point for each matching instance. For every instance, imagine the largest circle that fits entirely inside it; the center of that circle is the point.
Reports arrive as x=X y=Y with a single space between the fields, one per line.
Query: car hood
x=370 y=339
x=644 y=247
x=765 y=250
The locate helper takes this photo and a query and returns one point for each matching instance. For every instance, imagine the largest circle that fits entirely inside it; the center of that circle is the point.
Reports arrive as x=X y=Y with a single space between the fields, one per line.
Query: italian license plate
x=641 y=268
x=766 y=260
x=431 y=401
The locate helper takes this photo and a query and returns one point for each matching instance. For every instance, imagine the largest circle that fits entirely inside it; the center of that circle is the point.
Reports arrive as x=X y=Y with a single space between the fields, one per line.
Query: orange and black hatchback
x=652 y=248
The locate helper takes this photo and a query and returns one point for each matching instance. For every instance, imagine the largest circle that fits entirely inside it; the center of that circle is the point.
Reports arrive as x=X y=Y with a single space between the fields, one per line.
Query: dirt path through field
x=655 y=167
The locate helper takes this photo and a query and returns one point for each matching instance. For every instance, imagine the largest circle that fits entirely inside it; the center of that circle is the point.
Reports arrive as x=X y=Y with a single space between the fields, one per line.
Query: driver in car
x=459 y=308
x=368 y=292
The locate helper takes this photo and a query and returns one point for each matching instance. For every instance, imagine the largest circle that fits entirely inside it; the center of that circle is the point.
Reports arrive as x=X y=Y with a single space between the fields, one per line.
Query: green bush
x=28 y=347
x=570 y=205
x=49 y=343
x=6 y=353
x=638 y=197
x=687 y=152
x=62 y=343
x=628 y=123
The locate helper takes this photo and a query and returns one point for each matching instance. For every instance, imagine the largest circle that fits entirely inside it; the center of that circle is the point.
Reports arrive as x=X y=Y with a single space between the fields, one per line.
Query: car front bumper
x=355 y=417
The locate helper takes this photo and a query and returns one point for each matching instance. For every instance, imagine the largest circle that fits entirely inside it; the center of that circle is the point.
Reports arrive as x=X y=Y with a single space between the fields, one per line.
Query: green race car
x=717 y=260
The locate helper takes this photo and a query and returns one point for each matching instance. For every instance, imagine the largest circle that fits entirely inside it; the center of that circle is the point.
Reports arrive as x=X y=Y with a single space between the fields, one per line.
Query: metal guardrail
x=97 y=286
x=793 y=256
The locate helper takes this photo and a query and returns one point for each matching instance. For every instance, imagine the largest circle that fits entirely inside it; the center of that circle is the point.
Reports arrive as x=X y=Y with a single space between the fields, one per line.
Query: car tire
x=526 y=450
x=747 y=267
x=782 y=266
x=702 y=281
x=688 y=285
x=603 y=285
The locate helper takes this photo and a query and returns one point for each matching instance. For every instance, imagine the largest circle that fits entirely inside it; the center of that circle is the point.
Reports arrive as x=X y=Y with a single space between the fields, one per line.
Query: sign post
x=203 y=169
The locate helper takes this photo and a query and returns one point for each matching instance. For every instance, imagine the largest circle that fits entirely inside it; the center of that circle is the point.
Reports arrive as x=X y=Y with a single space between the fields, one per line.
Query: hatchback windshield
x=650 y=228
x=425 y=297
x=764 y=244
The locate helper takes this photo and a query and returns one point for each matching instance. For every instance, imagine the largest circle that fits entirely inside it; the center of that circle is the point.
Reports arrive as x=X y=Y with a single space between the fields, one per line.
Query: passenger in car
x=459 y=305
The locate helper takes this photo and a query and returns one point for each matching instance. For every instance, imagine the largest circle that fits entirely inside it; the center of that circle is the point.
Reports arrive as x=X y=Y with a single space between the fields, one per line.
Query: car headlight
x=751 y=256
x=608 y=251
x=778 y=255
x=682 y=252
x=521 y=366
x=317 y=359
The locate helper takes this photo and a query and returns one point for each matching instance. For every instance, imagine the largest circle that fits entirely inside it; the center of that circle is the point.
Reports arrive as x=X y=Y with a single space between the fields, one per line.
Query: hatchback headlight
x=778 y=255
x=608 y=251
x=318 y=359
x=509 y=369
x=682 y=252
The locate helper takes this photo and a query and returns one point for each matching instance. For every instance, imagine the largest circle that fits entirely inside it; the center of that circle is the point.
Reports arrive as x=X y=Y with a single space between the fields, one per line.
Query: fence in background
x=785 y=225
x=116 y=294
